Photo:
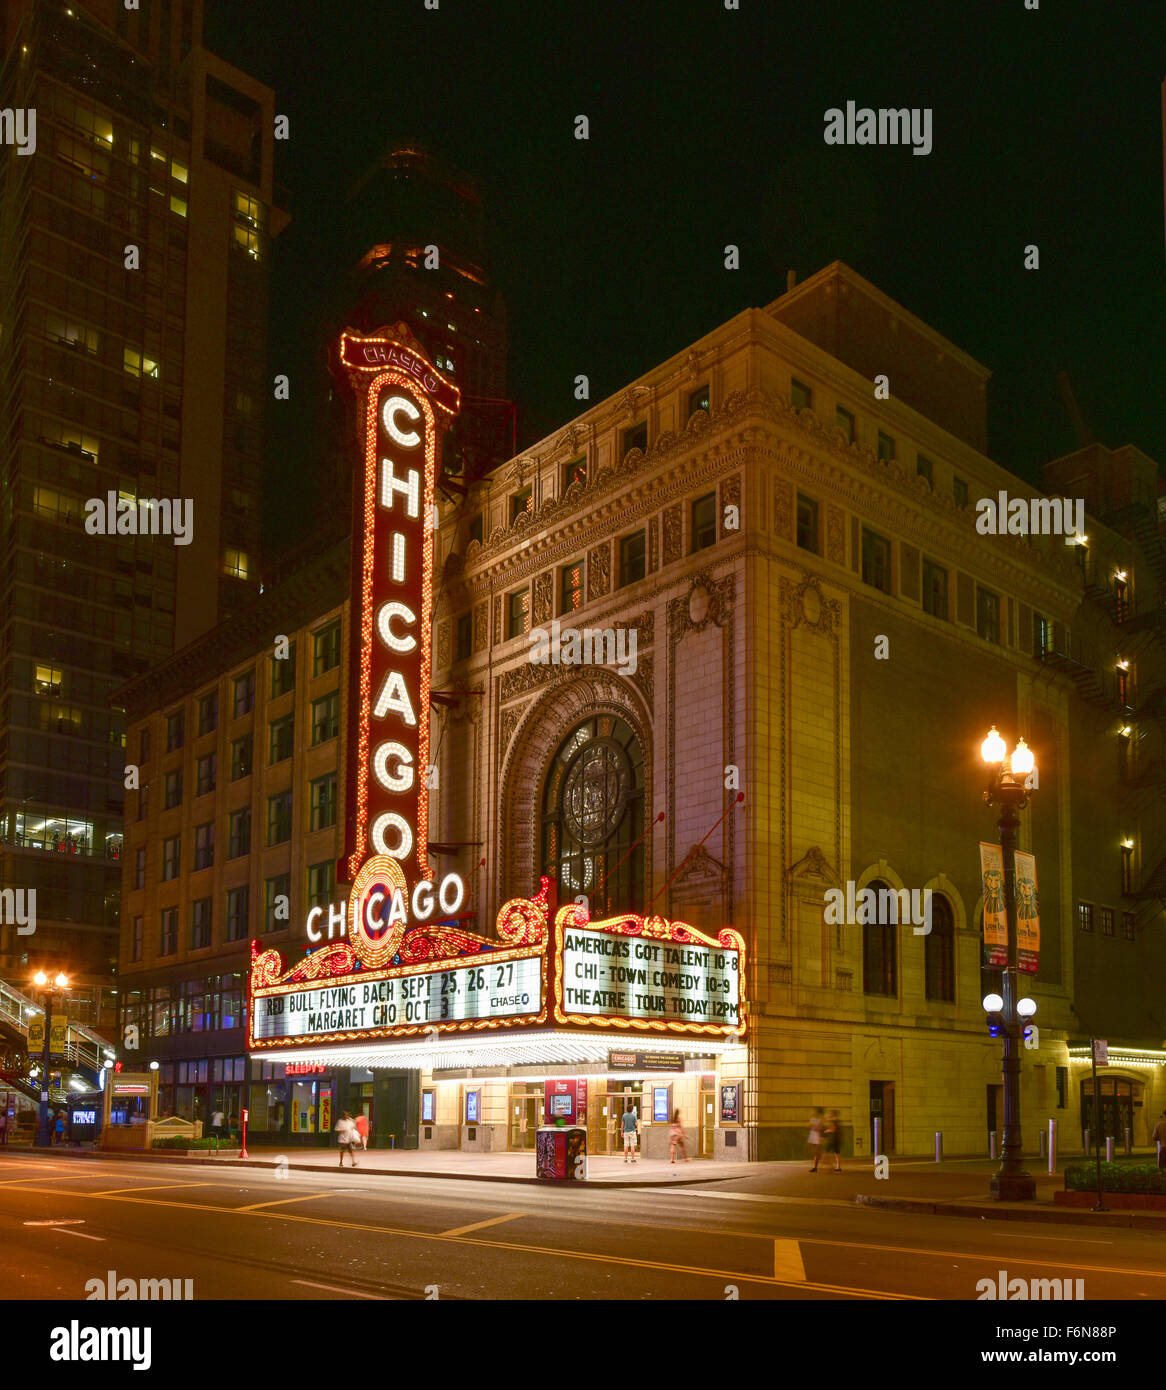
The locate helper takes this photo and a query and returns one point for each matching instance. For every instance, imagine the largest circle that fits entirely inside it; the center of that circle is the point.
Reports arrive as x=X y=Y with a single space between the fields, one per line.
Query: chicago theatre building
x=532 y=802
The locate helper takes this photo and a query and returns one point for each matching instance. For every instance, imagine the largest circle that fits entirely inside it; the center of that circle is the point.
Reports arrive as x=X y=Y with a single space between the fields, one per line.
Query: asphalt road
x=248 y=1234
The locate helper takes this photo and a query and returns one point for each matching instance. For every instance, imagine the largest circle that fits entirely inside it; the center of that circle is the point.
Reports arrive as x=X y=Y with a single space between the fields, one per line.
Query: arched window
x=939 y=951
x=592 y=814
x=879 y=946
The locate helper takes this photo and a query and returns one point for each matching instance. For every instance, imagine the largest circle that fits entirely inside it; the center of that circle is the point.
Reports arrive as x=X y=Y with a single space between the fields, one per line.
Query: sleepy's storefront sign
x=395 y=977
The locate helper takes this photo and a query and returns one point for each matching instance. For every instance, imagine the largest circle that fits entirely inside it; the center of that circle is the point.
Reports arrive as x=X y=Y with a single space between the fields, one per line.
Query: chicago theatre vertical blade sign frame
x=403 y=405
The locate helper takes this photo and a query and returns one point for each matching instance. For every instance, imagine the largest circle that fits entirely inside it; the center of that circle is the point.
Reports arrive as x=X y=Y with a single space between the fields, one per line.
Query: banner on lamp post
x=995 y=918
x=1027 y=913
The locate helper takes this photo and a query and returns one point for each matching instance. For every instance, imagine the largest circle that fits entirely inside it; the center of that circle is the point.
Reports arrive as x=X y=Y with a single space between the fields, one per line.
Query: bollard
x=1129 y=1140
x=1109 y=1148
x=939 y=1146
x=1088 y=1146
x=991 y=1143
x=878 y=1135
x=1052 y=1146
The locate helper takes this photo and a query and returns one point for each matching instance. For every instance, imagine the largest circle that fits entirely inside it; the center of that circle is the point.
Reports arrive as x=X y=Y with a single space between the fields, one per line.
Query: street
x=246 y=1233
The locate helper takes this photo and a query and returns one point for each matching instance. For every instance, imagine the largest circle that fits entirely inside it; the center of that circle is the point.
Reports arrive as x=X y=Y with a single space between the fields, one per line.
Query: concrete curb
x=145 y=1156
x=981 y=1211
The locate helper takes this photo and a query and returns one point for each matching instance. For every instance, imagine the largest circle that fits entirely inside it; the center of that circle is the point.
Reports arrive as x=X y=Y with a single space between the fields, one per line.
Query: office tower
x=133 y=304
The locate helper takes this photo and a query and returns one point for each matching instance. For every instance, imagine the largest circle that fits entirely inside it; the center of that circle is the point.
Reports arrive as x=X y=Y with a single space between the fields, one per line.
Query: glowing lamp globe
x=993 y=1003
x=1026 y=1007
x=993 y=748
x=1023 y=761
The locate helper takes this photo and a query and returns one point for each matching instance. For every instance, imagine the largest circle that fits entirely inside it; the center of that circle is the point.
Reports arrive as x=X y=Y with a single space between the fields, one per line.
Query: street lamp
x=1009 y=782
x=60 y=981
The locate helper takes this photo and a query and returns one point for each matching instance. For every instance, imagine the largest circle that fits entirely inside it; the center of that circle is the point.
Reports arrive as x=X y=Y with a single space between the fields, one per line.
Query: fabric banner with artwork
x=1027 y=913
x=995 y=921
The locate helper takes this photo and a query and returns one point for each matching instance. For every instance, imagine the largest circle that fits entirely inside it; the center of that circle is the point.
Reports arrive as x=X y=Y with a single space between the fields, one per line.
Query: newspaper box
x=561 y=1152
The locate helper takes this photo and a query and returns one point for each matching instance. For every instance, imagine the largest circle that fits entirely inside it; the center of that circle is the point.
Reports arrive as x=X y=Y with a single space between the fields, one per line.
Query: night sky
x=707 y=128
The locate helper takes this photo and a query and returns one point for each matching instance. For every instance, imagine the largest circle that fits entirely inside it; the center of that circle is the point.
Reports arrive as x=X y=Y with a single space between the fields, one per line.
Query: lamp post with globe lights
x=1010 y=778
x=59 y=981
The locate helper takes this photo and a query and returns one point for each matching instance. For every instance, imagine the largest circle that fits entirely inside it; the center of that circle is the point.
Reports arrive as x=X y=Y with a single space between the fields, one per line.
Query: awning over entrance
x=514 y=1049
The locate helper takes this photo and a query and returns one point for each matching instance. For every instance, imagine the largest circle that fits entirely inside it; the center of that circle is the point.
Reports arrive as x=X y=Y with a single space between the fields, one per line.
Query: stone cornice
x=822 y=454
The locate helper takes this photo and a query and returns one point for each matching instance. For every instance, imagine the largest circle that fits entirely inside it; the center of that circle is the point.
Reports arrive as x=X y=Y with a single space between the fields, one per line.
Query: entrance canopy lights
x=1127 y=1056
x=516 y=1050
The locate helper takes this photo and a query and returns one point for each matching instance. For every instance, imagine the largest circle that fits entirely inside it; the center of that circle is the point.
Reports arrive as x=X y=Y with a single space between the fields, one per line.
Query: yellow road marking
x=732 y=1276
x=480 y=1225
x=970 y=1255
x=787 y=1260
x=8 y=1182
x=278 y=1202
x=348 y=1293
x=154 y=1187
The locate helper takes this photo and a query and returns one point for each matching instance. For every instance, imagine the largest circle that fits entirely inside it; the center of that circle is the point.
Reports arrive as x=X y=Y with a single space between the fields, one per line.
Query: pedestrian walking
x=677 y=1139
x=59 y=1127
x=3 y=1128
x=1160 y=1135
x=814 y=1138
x=631 y=1129
x=346 y=1138
x=832 y=1130
x=217 y=1124
x=361 y=1125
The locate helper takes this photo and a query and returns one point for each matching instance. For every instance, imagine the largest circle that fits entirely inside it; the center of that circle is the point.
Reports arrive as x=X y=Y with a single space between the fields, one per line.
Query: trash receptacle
x=561 y=1152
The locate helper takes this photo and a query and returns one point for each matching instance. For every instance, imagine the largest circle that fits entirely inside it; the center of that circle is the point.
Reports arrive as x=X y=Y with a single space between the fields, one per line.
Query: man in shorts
x=631 y=1130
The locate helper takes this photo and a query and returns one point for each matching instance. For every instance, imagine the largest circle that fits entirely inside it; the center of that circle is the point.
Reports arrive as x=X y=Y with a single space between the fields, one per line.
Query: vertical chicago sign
x=403 y=405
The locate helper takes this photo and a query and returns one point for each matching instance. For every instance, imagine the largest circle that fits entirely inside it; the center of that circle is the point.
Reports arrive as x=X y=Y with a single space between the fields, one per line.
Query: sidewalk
x=919 y=1186
x=438 y=1163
